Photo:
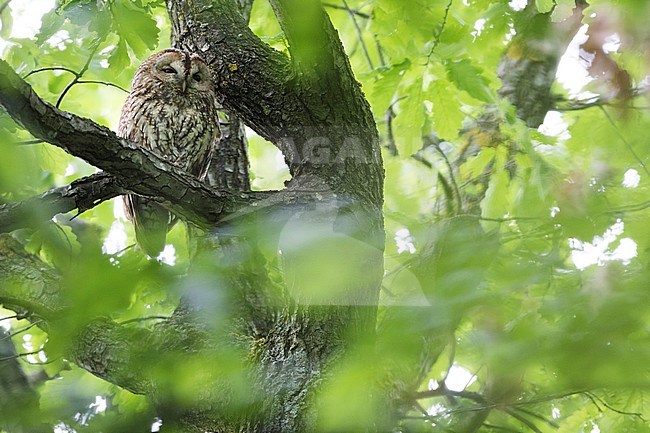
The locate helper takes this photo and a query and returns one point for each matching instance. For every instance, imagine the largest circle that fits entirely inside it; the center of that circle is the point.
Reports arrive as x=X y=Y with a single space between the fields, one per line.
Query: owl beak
x=183 y=86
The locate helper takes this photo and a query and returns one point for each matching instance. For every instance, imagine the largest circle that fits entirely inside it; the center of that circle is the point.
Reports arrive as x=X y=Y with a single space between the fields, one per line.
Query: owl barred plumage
x=171 y=110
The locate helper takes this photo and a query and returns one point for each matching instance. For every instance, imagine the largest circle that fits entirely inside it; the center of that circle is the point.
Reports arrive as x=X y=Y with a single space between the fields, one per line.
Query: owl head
x=177 y=71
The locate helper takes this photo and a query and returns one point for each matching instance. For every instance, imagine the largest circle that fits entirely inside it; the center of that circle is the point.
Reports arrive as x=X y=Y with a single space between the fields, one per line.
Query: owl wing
x=210 y=139
x=150 y=220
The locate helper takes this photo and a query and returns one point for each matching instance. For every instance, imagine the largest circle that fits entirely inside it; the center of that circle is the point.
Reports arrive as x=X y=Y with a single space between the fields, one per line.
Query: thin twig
x=52 y=68
x=58 y=227
x=498 y=427
x=445 y=392
x=143 y=319
x=77 y=76
x=380 y=52
x=600 y=102
x=500 y=220
x=538 y=416
x=26 y=142
x=531 y=425
x=118 y=253
x=629 y=208
x=389 y=116
x=580 y=106
x=359 y=33
x=390 y=145
x=49 y=361
x=459 y=201
x=20 y=331
x=354 y=11
x=594 y=397
x=105 y=83
x=436 y=41
x=19 y=355
x=546 y=398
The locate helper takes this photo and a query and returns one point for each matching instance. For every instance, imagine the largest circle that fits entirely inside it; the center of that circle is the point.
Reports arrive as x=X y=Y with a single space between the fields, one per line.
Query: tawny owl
x=171 y=110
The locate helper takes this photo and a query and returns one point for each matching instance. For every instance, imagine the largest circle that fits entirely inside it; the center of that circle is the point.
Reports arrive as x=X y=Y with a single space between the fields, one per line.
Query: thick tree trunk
x=311 y=107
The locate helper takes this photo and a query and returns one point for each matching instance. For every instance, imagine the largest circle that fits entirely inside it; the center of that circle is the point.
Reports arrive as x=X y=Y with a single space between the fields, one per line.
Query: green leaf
x=563 y=10
x=408 y=123
x=6 y=22
x=119 y=58
x=128 y=402
x=53 y=159
x=544 y=6
x=496 y=203
x=85 y=13
x=136 y=27
x=469 y=78
x=455 y=259
x=50 y=24
x=385 y=86
x=59 y=245
x=447 y=114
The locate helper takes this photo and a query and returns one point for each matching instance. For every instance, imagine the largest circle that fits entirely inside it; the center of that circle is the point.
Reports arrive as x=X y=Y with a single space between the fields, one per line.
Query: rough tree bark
x=312 y=108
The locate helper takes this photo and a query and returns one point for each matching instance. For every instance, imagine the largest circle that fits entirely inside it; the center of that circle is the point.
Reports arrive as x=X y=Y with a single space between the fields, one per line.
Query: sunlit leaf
x=50 y=24
x=135 y=26
x=410 y=117
x=544 y=6
x=119 y=58
x=447 y=115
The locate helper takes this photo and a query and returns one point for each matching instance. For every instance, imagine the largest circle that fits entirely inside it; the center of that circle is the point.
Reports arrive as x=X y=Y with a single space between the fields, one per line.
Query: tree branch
x=82 y=194
x=135 y=169
x=114 y=353
x=319 y=61
x=27 y=285
x=140 y=171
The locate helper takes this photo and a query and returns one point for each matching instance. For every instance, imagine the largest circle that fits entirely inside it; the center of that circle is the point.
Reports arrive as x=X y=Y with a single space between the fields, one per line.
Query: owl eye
x=197 y=77
x=168 y=70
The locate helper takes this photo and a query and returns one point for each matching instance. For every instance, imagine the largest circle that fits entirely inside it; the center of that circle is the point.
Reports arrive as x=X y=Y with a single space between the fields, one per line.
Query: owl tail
x=151 y=222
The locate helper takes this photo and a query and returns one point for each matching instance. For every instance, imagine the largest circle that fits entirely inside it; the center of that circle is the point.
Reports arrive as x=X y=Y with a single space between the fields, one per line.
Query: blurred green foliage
x=529 y=247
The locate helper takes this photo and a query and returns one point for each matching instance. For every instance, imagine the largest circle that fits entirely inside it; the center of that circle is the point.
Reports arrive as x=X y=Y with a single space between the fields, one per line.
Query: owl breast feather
x=183 y=134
